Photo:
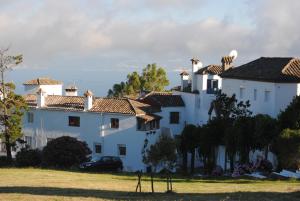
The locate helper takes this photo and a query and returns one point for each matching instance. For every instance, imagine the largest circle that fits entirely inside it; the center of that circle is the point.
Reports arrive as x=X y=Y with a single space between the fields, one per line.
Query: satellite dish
x=200 y=64
x=233 y=53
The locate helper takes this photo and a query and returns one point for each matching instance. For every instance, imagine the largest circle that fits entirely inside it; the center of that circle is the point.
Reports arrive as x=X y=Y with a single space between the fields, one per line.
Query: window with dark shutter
x=98 y=148
x=122 y=149
x=212 y=86
x=74 y=121
x=174 y=117
x=114 y=123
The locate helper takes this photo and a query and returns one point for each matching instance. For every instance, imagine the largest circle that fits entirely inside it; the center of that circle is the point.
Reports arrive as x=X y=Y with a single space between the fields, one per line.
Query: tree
x=287 y=148
x=162 y=153
x=12 y=105
x=188 y=144
x=265 y=131
x=290 y=117
x=65 y=152
x=230 y=117
x=152 y=79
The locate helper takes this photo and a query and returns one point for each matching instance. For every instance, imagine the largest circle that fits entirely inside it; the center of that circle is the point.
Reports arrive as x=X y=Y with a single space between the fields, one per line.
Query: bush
x=29 y=157
x=64 y=152
x=287 y=149
x=4 y=162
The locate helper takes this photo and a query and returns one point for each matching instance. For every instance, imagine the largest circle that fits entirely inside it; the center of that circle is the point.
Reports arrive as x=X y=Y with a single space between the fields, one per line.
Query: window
x=28 y=140
x=142 y=125
x=30 y=117
x=267 y=96
x=122 y=149
x=212 y=86
x=74 y=121
x=255 y=94
x=242 y=92
x=97 y=148
x=114 y=123
x=174 y=117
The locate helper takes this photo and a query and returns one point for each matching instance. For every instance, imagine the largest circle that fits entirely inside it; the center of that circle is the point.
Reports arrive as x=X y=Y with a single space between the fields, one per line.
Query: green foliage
x=13 y=106
x=4 y=162
x=265 y=130
x=152 y=79
x=188 y=143
x=287 y=149
x=64 y=152
x=163 y=152
x=29 y=158
x=290 y=117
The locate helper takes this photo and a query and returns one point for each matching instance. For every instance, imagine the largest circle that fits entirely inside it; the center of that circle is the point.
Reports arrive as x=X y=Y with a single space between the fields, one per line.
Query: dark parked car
x=104 y=163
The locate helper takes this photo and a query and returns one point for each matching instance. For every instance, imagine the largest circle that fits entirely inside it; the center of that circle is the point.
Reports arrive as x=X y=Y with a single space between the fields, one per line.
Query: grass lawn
x=38 y=184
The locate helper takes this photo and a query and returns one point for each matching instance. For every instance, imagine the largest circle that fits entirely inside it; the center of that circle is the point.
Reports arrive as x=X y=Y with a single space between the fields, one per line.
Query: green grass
x=39 y=184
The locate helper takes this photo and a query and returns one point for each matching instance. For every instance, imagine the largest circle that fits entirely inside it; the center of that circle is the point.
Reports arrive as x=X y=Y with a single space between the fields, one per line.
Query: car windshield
x=94 y=159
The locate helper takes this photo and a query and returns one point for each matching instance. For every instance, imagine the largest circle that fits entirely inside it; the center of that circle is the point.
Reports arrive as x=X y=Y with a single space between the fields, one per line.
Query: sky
x=96 y=43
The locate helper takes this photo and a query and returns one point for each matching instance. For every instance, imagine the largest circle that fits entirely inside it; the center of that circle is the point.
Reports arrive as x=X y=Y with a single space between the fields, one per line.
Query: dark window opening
x=114 y=123
x=74 y=121
x=174 y=117
x=98 y=148
x=142 y=125
x=122 y=149
x=212 y=86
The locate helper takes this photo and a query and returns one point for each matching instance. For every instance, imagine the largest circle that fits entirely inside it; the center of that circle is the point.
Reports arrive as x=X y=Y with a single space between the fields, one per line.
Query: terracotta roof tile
x=42 y=81
x=184 y=73
x=210 y=69
x=268 y=69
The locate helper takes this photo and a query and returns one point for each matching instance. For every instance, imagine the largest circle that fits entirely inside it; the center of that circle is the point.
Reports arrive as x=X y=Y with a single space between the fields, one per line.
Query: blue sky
x=95 y=43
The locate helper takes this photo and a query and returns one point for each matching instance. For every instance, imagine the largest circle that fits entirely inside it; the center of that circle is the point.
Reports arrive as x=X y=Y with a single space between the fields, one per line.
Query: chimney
x=41 y=95
x=71 y=91
x=227 y=62
x=88 y=102
x=184 y=80
x=196 y=65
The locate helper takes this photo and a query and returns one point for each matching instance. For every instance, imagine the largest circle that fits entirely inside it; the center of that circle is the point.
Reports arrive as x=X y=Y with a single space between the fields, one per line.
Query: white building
x=120 y=126
x=110 y=126
x=269 y=83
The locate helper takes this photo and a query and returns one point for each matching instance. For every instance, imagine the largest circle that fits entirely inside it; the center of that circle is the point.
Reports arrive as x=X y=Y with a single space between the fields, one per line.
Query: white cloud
x=136 y=32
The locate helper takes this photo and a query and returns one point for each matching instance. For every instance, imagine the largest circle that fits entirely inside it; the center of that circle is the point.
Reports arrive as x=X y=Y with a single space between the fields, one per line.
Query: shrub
x=287 y=148
x=64 y=152
x=28 y=157
x=4 y=162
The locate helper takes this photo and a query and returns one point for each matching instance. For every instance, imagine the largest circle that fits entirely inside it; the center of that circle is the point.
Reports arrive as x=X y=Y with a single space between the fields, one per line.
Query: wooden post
x=139 y=186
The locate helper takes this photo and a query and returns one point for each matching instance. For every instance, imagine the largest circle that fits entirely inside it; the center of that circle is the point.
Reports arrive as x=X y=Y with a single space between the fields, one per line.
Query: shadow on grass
x=119 y=195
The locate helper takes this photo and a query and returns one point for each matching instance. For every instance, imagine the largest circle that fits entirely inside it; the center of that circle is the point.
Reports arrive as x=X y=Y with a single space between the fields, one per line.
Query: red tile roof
x=210 y=69
x=43 y=81
x=106 y=105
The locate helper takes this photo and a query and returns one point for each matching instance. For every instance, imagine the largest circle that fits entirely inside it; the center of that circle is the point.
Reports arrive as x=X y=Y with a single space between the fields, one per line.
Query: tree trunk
x=225 y=163
x=231 y=158
x=152 y=186
x=184 y=161
x=192 y=161
x=266 y=152
x=8 y=148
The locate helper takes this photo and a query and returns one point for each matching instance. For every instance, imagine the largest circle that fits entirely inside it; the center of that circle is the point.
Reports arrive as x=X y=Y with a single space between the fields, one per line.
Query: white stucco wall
x=281 y=94
x=94 y=128
x=49 y=89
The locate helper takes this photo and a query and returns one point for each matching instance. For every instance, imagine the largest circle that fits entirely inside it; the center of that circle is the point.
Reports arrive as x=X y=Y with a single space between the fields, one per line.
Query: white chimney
x=88 y=102
x=41 y=95
x=185 y=78
x=196 y=65
x=71 y=91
